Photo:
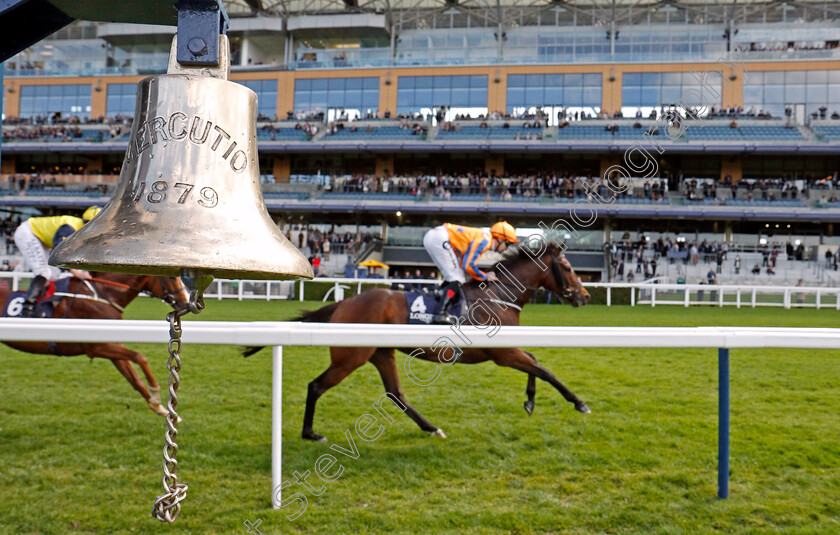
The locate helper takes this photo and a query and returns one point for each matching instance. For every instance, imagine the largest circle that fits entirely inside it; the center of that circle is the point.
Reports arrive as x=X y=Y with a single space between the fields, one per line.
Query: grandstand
x=391 y=117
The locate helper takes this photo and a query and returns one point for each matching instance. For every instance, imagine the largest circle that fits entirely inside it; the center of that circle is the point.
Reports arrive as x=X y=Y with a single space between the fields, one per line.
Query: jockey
x=35 y=237
x=455 y=250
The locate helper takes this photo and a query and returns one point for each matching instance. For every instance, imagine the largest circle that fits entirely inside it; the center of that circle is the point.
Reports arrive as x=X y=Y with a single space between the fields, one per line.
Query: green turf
x=81 y=453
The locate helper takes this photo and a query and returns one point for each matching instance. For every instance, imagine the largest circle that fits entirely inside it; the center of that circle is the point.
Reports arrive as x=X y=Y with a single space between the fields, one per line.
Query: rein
x=113 y=283
x=167 y=297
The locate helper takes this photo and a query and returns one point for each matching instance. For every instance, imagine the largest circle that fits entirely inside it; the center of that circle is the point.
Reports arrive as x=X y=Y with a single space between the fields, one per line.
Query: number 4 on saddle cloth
x=422 y=307
x=46 y=303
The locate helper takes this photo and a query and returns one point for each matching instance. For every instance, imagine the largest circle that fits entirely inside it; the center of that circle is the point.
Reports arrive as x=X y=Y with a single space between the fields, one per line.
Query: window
x=645 y=91
x=356 y=96
x=553 y=92
x=464 y=95
x=266 y=91
x=121 y=99
x=42 y=100
x=802 y=91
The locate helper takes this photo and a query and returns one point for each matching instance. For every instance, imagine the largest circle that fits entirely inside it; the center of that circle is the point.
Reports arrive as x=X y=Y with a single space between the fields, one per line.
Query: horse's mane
x=514 y=255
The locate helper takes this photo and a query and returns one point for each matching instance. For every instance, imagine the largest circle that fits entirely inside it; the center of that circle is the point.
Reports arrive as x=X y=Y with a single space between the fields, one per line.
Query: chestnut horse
x=521 y=272
x=105 y=297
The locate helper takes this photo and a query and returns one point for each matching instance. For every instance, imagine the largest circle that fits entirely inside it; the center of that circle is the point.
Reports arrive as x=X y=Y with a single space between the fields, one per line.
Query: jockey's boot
x=450 y=291
x=35 y=289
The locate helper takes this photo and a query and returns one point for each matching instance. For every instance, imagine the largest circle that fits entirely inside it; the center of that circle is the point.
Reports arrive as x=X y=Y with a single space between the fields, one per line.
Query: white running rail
x=279 y=334
x=641 y=293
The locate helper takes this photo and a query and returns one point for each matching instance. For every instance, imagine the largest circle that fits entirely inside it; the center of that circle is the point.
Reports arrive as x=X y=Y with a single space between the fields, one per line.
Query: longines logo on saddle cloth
x=421 y=307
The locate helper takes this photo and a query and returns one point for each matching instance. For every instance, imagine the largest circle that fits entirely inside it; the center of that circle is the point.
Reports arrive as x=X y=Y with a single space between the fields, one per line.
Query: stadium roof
x=603 y=10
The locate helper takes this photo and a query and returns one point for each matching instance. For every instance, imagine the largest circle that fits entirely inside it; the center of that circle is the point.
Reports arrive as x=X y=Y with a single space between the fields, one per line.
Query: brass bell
x=189 y=196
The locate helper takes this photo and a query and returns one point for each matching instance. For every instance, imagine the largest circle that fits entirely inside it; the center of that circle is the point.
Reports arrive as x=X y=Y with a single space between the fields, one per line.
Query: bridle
x=567 y=291
x=168 y=296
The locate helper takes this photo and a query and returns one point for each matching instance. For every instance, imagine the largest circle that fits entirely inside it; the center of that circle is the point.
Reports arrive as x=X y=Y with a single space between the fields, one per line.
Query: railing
x=730 y=295
x=651 y=293
x=355 y=335
x=643 y=293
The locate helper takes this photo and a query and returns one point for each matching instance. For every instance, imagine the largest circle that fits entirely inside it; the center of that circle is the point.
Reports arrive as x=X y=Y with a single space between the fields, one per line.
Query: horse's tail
x=322 y=315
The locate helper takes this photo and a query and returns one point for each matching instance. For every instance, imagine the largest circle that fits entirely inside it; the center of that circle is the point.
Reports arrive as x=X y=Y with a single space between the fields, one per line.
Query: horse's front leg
x=521 y=360
x=531 y=391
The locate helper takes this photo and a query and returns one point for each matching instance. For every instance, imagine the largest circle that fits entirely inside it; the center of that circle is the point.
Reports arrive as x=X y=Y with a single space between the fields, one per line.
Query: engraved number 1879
x=209 y=197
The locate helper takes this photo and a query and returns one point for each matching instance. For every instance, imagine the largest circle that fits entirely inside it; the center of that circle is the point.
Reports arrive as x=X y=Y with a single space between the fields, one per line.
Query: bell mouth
x=175 y=271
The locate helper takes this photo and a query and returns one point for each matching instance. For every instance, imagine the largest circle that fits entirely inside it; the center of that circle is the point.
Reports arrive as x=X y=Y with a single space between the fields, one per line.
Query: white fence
x=314 y=334
x=641 y=293
x=726 y=295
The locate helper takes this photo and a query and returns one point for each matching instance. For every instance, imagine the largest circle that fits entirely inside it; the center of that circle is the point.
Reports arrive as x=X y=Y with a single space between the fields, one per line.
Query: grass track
x=80 y=452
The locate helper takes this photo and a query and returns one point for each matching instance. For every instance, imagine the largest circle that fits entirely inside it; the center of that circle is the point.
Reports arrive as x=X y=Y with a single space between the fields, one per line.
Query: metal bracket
x=200 y=22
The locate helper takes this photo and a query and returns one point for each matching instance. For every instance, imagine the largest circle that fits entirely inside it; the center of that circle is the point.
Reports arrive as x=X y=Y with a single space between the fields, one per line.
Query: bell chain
x=168 y=506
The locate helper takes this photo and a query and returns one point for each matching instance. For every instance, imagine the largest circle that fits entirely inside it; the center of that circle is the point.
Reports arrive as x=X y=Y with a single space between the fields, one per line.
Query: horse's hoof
x=583 y=407
x=312 y=435
x=439 y=433
x=154 y=398
x=529 y=407
x=159 y=409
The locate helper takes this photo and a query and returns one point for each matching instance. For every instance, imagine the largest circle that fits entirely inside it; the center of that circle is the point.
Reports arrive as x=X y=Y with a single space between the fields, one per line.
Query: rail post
x=723 y=423
x=276 y=426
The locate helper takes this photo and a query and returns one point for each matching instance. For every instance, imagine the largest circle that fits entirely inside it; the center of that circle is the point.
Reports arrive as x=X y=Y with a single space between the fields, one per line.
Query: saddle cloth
x=422 y=306
x=46 y=305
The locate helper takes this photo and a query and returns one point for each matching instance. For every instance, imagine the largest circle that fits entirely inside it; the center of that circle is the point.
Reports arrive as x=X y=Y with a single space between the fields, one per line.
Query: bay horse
x=105 y=296
x=521 y=272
